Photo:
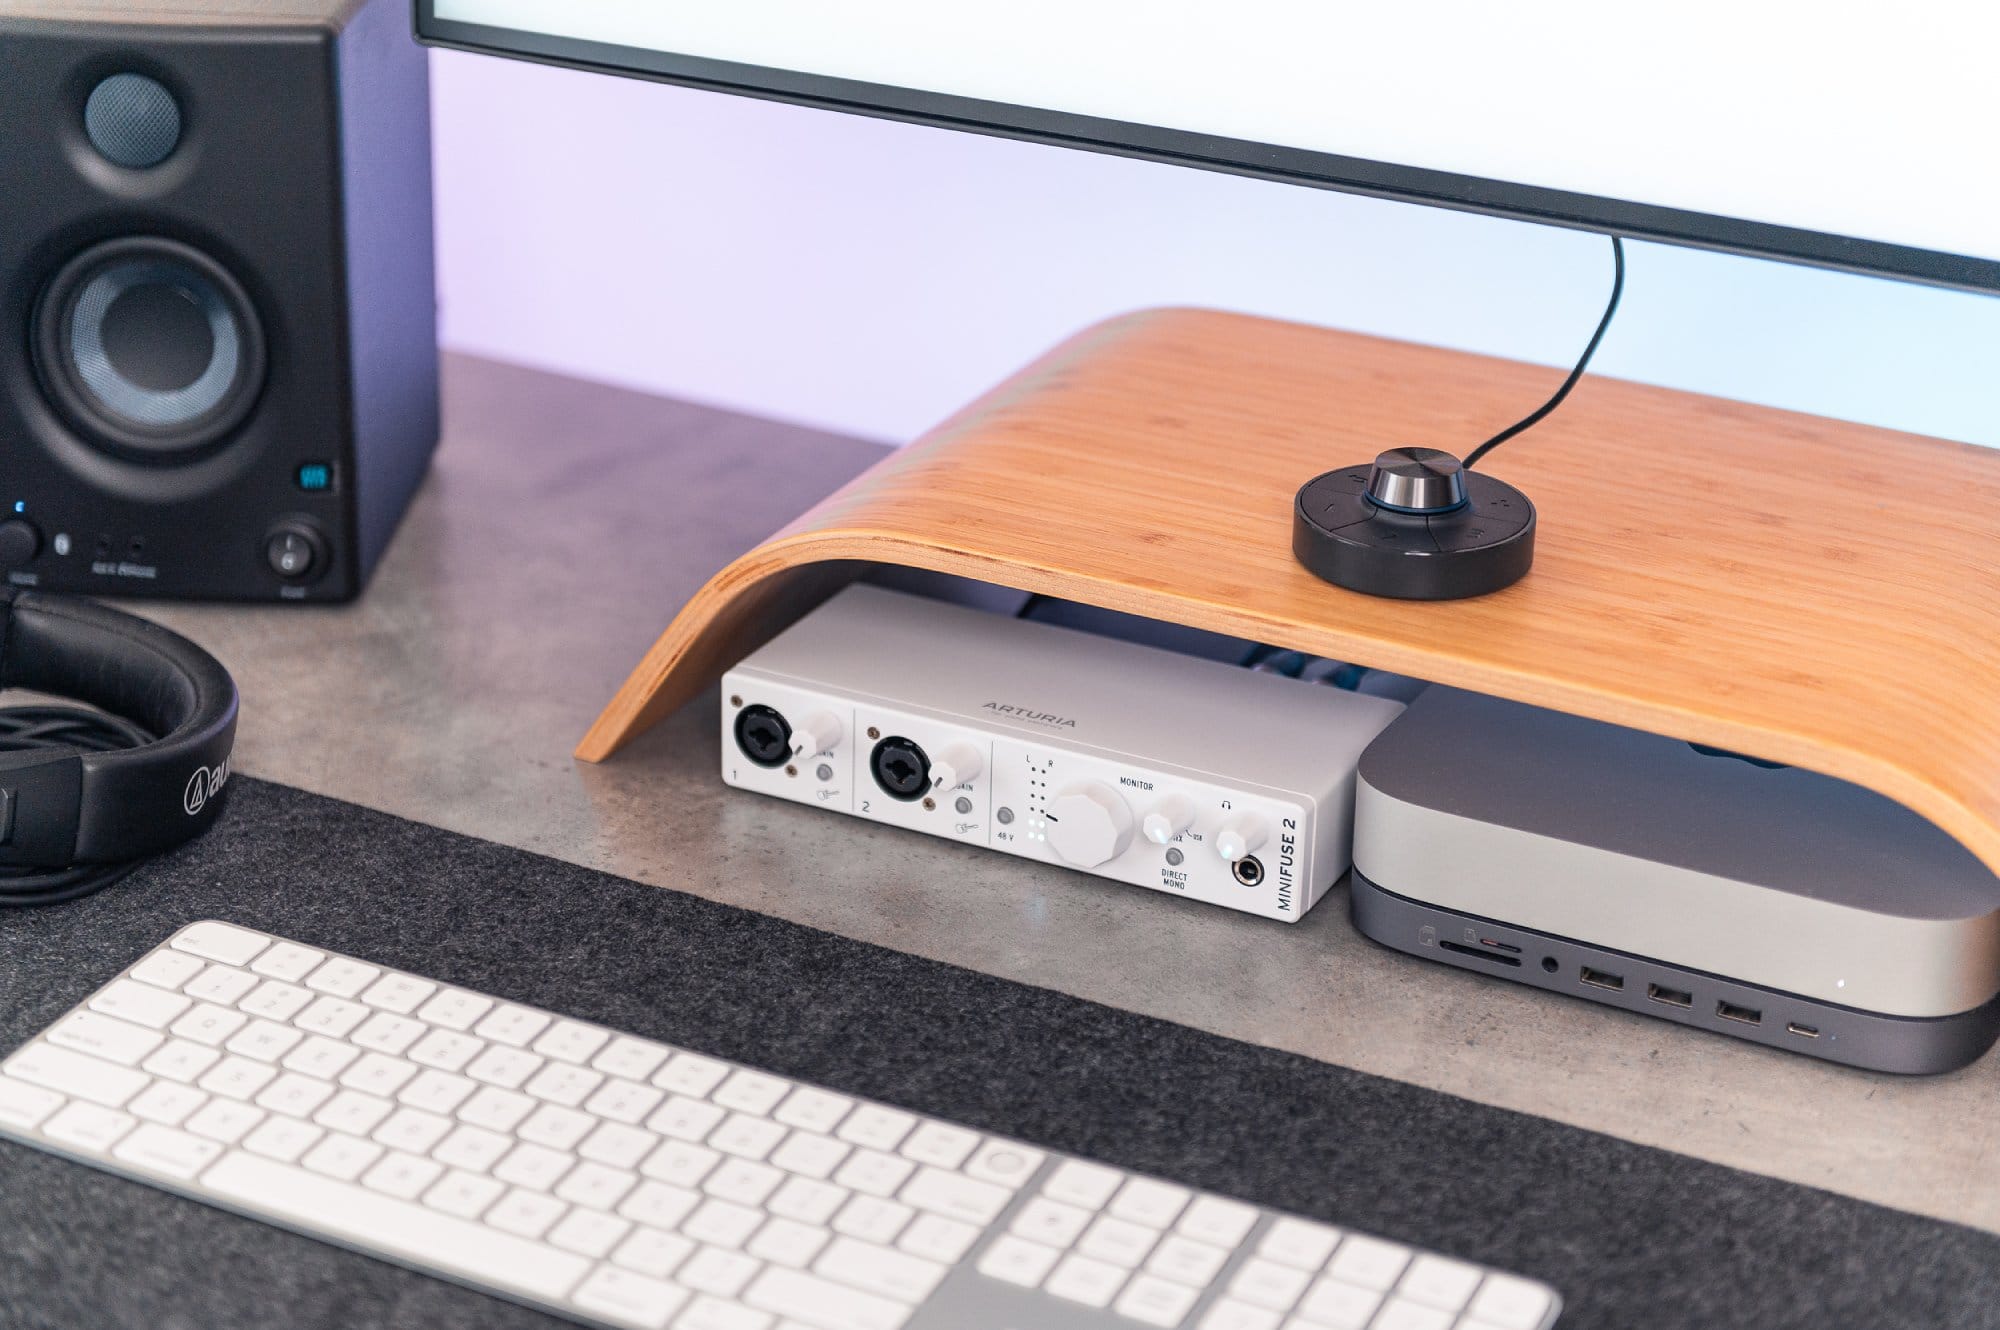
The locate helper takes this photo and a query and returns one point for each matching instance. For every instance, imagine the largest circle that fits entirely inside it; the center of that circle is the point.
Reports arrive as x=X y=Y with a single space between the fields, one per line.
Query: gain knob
x=1089 y=824
x=1169 y=818
x=955 y=766
x=1241 y=836
x=817 y=733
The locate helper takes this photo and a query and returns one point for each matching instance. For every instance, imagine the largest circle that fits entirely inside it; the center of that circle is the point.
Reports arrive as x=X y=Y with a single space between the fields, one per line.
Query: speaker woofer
x=150 y=346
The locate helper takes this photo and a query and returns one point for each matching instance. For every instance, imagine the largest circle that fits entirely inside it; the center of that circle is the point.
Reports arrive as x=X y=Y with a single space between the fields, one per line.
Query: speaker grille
x=133 y=120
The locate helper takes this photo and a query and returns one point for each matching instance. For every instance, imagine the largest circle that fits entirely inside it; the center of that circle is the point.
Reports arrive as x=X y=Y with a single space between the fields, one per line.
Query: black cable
x=1530 y=421
x=55 y=728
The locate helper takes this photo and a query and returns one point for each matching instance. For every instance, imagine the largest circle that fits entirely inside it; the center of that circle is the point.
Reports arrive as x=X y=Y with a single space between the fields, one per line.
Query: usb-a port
x=1673 y=997
x=1729 y=1011
x=1601 y=978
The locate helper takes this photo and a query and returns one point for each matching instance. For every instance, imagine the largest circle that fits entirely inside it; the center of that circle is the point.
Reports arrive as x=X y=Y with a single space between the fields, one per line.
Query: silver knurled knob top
x=1417 y=480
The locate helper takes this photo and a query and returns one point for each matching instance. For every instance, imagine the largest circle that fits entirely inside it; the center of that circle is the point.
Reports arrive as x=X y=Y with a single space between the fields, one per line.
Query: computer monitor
x=1860 y=141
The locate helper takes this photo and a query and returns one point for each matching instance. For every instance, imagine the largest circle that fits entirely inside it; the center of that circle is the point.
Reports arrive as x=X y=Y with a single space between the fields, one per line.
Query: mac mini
x=1764 y=902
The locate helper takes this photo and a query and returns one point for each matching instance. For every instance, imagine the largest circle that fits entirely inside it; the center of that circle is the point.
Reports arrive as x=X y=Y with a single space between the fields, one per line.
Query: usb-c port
x=1803 y=1031
x=1601 y=979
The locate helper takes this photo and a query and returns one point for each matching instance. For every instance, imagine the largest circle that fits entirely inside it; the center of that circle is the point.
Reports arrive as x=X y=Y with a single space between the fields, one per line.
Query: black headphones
x=78 y=809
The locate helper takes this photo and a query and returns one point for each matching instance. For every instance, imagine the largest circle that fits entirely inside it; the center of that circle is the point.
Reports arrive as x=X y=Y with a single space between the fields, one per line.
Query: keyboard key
x=420 y=1234
x=322 y=1057
x=414 y=1131
x=624 y=1101
x=1297 y=1243
x=166 y=1102
x=342 y=1157
x=378 y=1074
x=813 y=1110
x=648 y=1251
x=23 y=1105
x=629 y=1059
x=275 y=1000
x=936 y=1238
x=686 y=1119
x=353 y=1112
x=1004 y=1163
x=341 y=978
x=505 y=1067
x=1050 y=1222
x=237 y=1077
x=595 y=1186
x=159 y=1149
x=789 y=1242
x=221 y=942
x=1186 y=1261
x=533 y=1166
x=265 y=1041
x=528 y=1213
x=956 y=1197
x=221 y=984
x=181 y=1060
x=331 y=1016
x=223 y=1120
x=872 y=1219
x=473 y=1149
x=679 y=1163
x=75 y=1074
x=1082 y=1280
x=1508 y=1303
x=878 y=1269
x=89 y=1126
x=403 y=1176
x=751 y=1092
x=282 y=1139
x=808 y=1200
x=821 y=1302
x=659 y=1204
x=1154 y=1204
x=1339 y=1305
x=569 y=1041
x=385 y=1032
x=722 y=1223
x=1078 y=1183
x=287 y=961
x=718 y=1272
x=742 y=1181
x=141 y=1004
x=1223 y=1223
x=939 y=1144
x=455 y=1009
x=1402 y=1314
x=464 y=1195
x=511 y=1025
x=618 y=1145
x=690 y=1074
x=168 y=969
x=810 y=1155
x=707 y=1313
x=398 y=993
x=588 y=1232
x=874 y=1127
x=1436 y=1282
x=746 y=1137
x=1369 y=1262
x=435 y=1091
x=1269 y=1284
x=103 y=1037
x=1018 y=1261
x=874 y=1172
x=496 y=1109
x=1150 y=1300
x=625 y=1296
x=1230 y=1314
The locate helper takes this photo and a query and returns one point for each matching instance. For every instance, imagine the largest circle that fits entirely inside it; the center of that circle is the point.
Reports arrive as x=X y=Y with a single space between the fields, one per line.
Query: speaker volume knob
x=1417 y=480
x=1089 y=824
x=20 y=542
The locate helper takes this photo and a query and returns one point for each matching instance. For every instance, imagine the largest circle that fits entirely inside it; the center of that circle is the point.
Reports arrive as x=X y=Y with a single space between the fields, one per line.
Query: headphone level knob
x=20 y=542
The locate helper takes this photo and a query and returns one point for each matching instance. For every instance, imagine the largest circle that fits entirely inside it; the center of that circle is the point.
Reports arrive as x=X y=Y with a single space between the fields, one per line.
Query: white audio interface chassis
x=1187 y=776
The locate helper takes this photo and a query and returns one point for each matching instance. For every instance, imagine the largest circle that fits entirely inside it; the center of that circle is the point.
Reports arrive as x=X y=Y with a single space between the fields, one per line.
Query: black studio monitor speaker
x=218 y=326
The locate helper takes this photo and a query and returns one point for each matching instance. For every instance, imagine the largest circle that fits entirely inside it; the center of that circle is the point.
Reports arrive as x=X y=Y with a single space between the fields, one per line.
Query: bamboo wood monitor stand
x=1808 y=591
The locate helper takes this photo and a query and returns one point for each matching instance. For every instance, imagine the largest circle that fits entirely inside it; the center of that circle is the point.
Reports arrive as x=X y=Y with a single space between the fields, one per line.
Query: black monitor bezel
x=1235 y=156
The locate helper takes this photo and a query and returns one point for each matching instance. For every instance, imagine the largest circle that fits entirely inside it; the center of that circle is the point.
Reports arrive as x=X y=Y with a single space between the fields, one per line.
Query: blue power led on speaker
x=315 y=477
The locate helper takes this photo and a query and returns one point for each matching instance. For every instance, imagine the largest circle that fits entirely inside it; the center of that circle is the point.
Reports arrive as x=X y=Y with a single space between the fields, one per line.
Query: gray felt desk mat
x=1633 y=1236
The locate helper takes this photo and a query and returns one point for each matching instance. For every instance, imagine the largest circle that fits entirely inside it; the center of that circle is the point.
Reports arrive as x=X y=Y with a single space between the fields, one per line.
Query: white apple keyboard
x=621 y=1182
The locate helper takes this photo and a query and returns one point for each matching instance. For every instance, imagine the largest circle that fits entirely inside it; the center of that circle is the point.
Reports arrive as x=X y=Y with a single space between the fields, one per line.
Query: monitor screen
x=1774 y=128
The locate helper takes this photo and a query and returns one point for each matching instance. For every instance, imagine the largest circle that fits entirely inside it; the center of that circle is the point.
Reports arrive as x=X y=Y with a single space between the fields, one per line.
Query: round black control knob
x=1417 y=480
x=20 y=541
x=295 y=551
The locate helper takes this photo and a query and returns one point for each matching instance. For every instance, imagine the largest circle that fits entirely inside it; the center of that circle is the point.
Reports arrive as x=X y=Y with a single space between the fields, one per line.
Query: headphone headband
x=59 y=808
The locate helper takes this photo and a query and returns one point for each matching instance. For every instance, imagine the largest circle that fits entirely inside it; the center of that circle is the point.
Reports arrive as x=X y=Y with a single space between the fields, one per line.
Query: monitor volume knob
x=1241 y=836
x=956 y=765
x=1169 y=818
x=817 y=733
x=1089 y=824
x=20 y=541
x=1417 y=480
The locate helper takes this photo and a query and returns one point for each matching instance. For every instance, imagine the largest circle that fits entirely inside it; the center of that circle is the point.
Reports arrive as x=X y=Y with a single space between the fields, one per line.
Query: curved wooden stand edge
x=1733 y=575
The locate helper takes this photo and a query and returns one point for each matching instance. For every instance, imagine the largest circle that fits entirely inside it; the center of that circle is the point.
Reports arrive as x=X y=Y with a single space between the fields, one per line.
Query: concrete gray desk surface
x=566 y=522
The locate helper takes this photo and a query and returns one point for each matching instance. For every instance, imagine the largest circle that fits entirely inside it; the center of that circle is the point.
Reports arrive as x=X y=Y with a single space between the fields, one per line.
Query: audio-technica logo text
x=1024 y=713
x=205 y=784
